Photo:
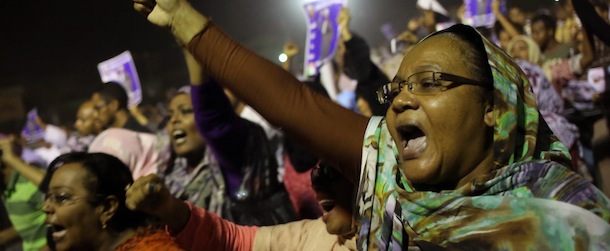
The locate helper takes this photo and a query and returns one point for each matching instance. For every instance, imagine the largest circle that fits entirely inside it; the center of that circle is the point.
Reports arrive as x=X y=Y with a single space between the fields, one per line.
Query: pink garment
x=207 y=231
x=137 y=150
x=302 y=195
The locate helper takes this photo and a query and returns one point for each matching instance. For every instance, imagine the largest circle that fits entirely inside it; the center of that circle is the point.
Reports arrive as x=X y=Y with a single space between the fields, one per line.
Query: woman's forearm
x=335 y=133
x=207 y=231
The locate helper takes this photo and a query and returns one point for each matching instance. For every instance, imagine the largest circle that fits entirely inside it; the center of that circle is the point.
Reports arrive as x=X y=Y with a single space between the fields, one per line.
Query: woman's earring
x=104 y=225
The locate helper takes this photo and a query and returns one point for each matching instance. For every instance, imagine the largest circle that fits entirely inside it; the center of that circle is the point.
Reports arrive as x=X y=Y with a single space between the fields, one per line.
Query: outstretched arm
x=335 y=133
x=8 y=157
x=193 y=228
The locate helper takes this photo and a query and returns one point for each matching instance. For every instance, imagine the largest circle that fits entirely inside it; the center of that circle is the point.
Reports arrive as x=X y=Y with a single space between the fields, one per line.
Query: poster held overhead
x=322 y=33
x=32 y=130
x=478 y=13
x=122 y=69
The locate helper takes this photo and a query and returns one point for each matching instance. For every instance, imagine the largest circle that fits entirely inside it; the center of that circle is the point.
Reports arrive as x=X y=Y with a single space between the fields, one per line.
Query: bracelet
x=205 y=28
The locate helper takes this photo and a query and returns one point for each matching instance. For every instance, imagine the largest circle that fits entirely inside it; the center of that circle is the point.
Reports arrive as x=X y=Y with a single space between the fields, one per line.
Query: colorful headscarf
x=529 y=201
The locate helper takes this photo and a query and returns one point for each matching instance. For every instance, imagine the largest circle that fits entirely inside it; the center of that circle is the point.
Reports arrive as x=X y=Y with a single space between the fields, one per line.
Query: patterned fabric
x=152 y=239
x=259 y=200
x=203 y=185
x=550 y=104
x=529 y=201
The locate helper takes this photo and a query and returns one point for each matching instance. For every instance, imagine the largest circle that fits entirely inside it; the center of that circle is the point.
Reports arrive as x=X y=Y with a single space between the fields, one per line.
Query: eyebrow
x=427 y=67
x=60 y=187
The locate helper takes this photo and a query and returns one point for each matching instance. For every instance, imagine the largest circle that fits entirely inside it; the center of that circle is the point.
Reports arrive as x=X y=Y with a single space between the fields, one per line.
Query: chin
x=338 y=230
x=420 y=172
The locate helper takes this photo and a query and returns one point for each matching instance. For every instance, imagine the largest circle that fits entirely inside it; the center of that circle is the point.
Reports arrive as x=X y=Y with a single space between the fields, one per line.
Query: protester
x=514 y=171
x=230 y=168
x=85 y=128
x=358 y=66
x=550 y=103
x=22 y=171
x=188 y=224
x=504 y=28
x=110 y=103
x=85 y=206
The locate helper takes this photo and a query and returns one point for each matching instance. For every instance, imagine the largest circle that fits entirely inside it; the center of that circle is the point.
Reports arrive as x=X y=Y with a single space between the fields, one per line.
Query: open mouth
x=179 y=136
x=413 y=141
x=327 y=205
x=58 y=232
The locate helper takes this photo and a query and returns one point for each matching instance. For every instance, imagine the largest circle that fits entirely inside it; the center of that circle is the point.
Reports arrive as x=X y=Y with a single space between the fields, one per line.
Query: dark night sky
x=51 y=48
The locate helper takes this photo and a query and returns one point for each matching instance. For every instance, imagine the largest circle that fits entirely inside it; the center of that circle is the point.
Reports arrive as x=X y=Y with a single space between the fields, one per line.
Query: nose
x=175 y=117
x=46 y=206
x=405 y=100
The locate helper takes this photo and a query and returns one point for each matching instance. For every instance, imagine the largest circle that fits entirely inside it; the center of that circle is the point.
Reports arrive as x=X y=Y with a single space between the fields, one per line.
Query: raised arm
x=506 y=24
x=193 y=228
x=8 y=157
x=591 y=21
x=224 y=132
x=335 y=133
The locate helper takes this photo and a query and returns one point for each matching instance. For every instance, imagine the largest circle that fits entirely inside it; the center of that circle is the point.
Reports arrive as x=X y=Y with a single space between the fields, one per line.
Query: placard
x=122 y=69
x=478 y=13
x=322 y=33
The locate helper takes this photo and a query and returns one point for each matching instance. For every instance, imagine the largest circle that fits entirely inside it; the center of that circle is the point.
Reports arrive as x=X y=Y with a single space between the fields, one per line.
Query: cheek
x=450 y=121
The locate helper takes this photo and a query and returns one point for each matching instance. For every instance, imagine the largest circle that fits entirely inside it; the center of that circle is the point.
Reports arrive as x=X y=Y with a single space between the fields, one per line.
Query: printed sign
x=478 y=13
x=32 y=131
x=322 y=33
x=122 y=69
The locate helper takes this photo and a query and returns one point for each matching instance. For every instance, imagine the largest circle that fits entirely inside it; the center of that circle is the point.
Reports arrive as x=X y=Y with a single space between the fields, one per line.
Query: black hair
x=107 y=175
x=114 y=91
x=477 y=56
x=550 y=23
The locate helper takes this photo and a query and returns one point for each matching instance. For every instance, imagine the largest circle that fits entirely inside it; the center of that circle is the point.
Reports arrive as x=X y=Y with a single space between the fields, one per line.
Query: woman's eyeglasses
x=423 y=83
x=61 y=199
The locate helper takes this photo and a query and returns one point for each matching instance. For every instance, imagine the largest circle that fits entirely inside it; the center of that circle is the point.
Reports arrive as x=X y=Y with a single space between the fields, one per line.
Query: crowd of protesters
x=447 y=140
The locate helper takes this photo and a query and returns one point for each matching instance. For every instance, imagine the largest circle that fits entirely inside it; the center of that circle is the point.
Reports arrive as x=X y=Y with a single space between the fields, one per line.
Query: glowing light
x=283 y=57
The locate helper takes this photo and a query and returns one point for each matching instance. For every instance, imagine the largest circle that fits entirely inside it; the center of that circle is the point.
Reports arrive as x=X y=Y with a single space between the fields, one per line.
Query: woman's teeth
x=57 y=232
x=179 y=136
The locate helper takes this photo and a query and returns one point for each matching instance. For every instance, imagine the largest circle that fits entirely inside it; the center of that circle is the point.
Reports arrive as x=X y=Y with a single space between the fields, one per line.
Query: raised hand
x=291 y=49
x=148 y=194
x=157 y=12
x=178 y=15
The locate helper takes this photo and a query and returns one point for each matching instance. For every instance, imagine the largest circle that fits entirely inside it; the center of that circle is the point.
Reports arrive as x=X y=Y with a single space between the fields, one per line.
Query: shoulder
x=149 y=239
x=555 y=181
